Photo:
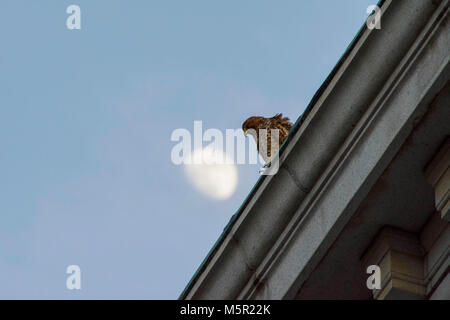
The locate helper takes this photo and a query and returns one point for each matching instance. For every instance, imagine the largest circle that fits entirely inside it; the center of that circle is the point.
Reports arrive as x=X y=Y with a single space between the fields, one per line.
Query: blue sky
x=86 y=117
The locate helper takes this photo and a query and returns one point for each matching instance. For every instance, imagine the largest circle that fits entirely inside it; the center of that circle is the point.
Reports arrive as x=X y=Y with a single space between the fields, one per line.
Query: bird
x=253 y=125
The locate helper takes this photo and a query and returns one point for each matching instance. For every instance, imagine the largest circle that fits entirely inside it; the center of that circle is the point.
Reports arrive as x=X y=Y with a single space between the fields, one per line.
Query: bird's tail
x=279 y=116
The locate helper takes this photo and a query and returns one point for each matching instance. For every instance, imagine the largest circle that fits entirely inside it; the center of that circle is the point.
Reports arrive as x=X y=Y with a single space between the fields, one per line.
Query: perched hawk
x=257 y=123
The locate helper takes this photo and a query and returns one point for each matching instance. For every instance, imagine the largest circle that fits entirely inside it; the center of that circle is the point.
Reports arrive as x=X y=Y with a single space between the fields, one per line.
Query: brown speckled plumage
x=261 y=123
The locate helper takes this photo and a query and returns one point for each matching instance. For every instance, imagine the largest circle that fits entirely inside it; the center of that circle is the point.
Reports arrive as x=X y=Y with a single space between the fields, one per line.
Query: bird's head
x=251 y=123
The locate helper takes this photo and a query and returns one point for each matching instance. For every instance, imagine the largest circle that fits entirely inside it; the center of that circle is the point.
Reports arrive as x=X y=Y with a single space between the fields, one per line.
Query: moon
x=212 y=172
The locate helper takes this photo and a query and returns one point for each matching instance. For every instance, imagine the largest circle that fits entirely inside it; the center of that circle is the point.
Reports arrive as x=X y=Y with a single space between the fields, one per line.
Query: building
x=364 y=179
